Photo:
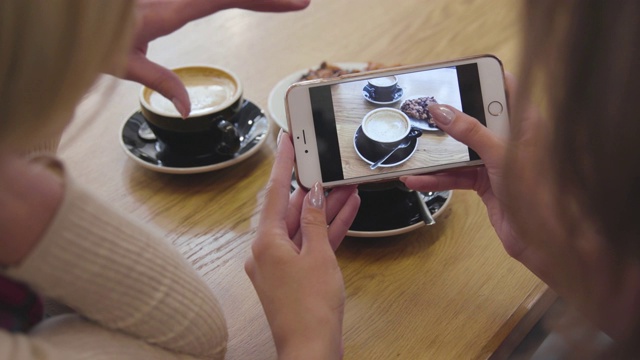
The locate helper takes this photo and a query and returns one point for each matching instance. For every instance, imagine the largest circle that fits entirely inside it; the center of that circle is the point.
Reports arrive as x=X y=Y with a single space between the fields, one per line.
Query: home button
x=495 y=108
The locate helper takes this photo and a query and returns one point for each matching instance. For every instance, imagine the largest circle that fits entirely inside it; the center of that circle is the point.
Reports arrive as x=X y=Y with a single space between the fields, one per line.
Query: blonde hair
x=50 y=53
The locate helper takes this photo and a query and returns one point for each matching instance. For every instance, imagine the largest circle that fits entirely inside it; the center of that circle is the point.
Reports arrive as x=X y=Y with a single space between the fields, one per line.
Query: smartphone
x=375 y=126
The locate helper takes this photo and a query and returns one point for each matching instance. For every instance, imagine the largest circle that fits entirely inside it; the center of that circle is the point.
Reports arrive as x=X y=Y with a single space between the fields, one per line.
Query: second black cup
x=383 y=88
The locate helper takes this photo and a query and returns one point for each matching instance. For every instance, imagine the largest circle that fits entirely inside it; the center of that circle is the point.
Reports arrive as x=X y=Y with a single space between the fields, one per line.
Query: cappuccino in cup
x=209 y=90
x=386 y=81
x=386 y=125
x=216 y=97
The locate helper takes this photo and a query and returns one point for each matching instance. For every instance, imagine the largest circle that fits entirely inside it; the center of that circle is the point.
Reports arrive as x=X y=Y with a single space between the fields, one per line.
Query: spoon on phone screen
x=415 y=133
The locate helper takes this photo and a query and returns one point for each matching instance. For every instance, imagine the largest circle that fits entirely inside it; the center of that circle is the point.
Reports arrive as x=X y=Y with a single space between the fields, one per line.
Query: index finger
x=275 y=6
x=276 y=201
x=468 y=131
x=164 y=81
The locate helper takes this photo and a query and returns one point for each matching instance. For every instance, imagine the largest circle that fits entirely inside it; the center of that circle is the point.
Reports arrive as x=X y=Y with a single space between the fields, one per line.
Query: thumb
x=467 y=130
x=313 y=222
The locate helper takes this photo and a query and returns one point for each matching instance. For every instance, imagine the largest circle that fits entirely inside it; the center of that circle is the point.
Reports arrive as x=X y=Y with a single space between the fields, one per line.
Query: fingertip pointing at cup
x=209 y=96
x=183 y=109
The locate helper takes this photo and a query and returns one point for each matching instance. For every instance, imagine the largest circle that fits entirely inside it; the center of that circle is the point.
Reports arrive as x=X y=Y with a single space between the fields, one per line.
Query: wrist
x=315 y=349
x=320 y=340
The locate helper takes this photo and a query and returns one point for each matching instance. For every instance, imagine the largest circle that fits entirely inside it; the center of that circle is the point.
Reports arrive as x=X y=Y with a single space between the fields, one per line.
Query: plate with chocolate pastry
x=415 y=107
x=326 y=70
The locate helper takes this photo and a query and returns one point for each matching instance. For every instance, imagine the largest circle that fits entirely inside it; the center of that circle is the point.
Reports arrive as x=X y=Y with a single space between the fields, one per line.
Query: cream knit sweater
x=133 y=295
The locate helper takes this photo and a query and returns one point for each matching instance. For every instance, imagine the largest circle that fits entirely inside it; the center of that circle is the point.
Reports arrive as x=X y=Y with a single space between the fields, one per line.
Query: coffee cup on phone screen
x=216 y=96
x=386 y=126
x=383 y=88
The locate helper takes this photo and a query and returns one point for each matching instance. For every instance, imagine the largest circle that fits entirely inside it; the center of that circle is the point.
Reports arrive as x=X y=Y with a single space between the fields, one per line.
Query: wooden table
x=443 y=292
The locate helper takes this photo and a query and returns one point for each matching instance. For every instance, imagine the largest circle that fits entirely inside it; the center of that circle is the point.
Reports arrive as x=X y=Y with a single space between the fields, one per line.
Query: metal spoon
x=144 y=132
x=259 y=127
x=424 y=209
x=427 y=218
x=415 y=133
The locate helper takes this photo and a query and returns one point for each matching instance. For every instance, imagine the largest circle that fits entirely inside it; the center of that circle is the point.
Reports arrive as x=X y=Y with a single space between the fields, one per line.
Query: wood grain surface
x=448 y=291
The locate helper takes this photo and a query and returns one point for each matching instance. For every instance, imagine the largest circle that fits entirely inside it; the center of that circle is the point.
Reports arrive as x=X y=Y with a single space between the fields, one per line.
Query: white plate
x=275 y=102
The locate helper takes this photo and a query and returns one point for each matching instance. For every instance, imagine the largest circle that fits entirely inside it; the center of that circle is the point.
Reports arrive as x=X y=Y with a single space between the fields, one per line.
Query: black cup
x=208 y=130
x=383 y=88
x=382 y=136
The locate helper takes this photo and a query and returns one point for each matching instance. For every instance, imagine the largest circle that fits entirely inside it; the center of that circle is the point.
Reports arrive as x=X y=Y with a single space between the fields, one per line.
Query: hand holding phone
x=488 y=182
x=376 y=126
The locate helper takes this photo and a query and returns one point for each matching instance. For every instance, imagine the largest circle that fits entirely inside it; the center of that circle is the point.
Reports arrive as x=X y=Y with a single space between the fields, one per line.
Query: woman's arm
x=72 y=337
x=124 y=276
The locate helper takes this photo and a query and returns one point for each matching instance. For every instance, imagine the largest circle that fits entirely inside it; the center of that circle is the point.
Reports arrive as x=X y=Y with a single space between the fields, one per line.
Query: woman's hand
x=293 y=267
x=162 y=17
x=487 y=181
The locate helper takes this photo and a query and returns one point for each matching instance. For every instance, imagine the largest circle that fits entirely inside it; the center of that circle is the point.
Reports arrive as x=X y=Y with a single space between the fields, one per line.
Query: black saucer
x=390 y=211
x=368 y=93
x=371 y=152
x=393 y=209
x=250 y=121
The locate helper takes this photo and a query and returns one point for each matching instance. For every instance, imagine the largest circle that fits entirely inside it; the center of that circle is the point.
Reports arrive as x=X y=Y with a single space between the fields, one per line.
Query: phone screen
x=347 y=150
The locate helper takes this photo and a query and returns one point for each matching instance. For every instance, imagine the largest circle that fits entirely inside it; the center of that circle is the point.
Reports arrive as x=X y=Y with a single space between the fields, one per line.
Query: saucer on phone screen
x=368 y=92
x=392 y=211
x=371 y=152
x=252 y=124
x=276 y=103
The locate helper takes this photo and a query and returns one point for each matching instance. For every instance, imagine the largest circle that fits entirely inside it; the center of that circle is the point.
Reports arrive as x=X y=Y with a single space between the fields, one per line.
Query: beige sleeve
x=123 y=276
x=71 y=337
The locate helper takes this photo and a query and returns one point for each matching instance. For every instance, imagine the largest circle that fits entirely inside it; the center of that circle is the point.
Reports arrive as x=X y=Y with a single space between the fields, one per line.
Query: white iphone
x=375 y=126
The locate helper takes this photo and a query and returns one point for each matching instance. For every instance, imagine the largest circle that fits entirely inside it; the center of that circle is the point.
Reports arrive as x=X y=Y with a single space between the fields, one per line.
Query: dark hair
x=590 y=53
x=582 y=60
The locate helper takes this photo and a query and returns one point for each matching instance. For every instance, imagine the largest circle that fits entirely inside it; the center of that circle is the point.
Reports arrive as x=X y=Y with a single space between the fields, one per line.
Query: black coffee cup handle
x=229 y=139
x=414 y=132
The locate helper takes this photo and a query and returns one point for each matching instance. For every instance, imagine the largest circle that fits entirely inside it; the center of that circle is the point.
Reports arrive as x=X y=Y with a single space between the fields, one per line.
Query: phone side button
x=495 y=108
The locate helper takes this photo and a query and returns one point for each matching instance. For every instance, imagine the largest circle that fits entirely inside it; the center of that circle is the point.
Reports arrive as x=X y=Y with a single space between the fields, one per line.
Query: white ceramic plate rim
x=275 y=102
x=195 y=169
x=394 y=232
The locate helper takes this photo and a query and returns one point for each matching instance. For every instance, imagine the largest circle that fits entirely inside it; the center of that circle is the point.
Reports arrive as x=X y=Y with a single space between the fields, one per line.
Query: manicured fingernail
x=279 y=136
x=316 y=196
x=180 y=107
x=442 y=114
